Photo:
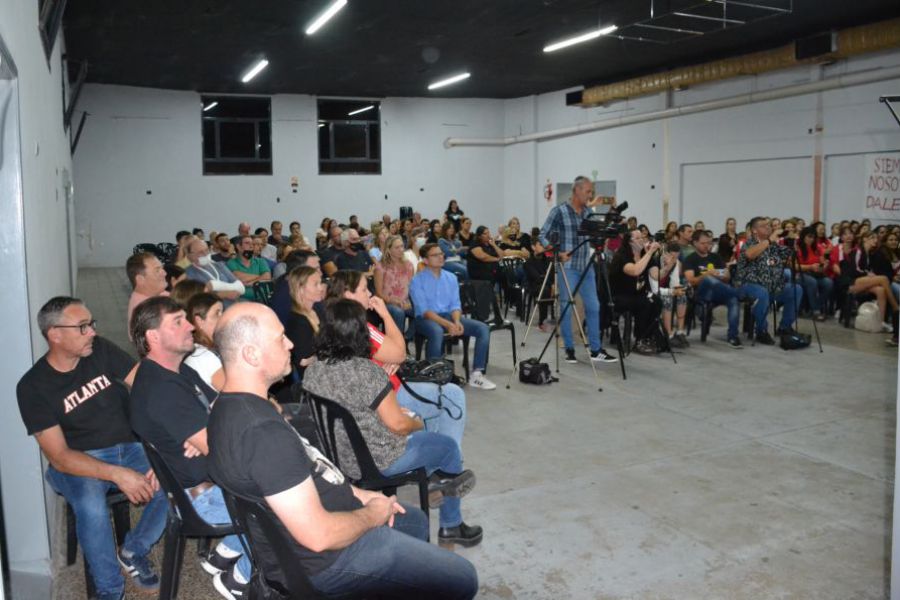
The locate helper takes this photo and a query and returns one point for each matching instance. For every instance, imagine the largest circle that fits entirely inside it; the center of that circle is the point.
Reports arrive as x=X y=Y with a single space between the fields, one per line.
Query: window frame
x=218 y=158
x=368 y=159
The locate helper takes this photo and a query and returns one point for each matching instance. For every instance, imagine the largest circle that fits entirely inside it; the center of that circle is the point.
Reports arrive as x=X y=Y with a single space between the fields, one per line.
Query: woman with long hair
x=856 y=270
x=380 y=237
x=454 y=213
x=822 y=242
x=817 y=286
x=434 y=232
x=484 y=256
x=203 y=312
x=395 y=436
x=392 y=276
x=671 y=230
x=305 y=284
x=728 y=240
x=453 y=251
x=886 y=261
x=466 y=237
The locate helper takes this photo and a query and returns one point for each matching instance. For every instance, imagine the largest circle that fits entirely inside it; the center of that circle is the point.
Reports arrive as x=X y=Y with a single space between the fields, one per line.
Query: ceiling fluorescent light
x=210 y=106
x=585 y=37
x=262 y=64
x=325 y=16
x=448 y=81
x=360 y=110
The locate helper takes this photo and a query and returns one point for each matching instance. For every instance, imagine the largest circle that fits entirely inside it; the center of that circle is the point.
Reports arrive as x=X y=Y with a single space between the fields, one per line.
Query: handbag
x=433 y=370
x=534 y=372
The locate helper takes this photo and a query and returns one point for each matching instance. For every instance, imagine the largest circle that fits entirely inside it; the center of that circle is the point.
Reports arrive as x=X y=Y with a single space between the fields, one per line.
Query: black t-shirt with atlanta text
x=89 y=403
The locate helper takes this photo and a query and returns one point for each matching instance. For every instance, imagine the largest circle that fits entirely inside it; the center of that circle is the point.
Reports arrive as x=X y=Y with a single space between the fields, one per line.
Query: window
x=237 y=135
x=349 y=137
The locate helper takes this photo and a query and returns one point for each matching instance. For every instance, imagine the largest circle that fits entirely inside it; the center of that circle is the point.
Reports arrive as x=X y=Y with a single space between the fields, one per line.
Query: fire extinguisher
x=548 y=192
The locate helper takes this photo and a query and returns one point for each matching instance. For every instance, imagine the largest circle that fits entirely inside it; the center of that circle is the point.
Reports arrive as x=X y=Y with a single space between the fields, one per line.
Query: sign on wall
x=882 y=191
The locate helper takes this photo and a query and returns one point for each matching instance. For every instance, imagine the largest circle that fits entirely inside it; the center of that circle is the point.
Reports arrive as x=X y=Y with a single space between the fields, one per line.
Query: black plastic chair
x=262 y=291
x=183 y=522
x=261 y=528
x=326 y=414
x=168 y=250
x=478 y=302
x=513 y=292
x=121 y=513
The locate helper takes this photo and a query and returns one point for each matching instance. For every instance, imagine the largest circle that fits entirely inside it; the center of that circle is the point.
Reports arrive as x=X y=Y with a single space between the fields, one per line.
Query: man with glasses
x=74 y=402
x=435 y=296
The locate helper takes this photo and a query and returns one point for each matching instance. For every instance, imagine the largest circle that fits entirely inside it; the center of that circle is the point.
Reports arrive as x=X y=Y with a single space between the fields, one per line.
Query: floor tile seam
x=819 y=459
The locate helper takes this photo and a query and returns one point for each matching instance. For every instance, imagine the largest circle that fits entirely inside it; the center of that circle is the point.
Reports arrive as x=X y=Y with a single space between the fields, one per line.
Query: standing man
x=761 y=276
x=74 y=402
x=204 y=269
x=169 y=409
x=346 y=540
x=147 y=277
x=564 y=220
x=248 y=268
x=435 y=296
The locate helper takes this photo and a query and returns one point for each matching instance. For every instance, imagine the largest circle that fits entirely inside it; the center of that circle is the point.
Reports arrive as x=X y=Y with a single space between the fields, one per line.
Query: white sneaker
x=478 y=380
x=887 y=327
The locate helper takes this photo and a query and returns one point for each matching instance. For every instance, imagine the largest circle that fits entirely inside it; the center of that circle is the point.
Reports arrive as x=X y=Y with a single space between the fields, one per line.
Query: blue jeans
x=458 y=268
x=817 y=290
x=789 y=297
x=895 y=287
x=433 y=451
x=434 y=333
x=436 y=419
x=210 y=506
x=714 y=291
x=399 y=562
x=588 y=293
x=399 y=315
x=95 y=533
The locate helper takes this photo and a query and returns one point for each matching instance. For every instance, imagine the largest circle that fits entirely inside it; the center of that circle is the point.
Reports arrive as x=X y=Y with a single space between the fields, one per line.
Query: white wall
x=140 y=139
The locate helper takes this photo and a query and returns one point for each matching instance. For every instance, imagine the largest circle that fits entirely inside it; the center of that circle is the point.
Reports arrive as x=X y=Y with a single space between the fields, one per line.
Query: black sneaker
x=216 y=563
x=735 y=343
x=462 y=534
x=570 y=355
x=765 y=339
x=228 y=587
x=140 y=568
x=603 y=356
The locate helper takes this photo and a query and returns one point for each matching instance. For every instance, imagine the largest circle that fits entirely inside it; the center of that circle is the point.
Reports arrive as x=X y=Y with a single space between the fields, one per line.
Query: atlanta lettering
x=87 y=391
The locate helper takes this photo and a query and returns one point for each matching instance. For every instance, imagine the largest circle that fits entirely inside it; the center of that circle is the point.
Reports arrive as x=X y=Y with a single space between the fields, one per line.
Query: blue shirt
x=564 y=219
x=437 y=294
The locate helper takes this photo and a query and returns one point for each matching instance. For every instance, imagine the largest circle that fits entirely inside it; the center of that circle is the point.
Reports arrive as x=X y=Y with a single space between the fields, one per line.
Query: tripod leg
x=537 y=304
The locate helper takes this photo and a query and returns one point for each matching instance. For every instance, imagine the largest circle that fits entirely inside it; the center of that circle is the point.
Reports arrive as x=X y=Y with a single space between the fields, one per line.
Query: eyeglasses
x=82 y=328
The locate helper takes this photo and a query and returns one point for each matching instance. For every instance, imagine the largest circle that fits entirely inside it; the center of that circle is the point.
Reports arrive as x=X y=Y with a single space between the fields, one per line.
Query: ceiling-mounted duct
x=853 y=41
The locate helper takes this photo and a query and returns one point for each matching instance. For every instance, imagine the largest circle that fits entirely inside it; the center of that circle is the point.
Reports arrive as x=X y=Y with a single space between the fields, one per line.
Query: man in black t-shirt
x=630 y=291
x=169 y=409
x=348 y=540
x=708 y=275
x=74 y=402
x=354 y=256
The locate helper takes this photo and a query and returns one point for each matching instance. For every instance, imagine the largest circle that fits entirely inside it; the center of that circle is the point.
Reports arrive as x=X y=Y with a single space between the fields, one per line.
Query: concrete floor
x=733 y=474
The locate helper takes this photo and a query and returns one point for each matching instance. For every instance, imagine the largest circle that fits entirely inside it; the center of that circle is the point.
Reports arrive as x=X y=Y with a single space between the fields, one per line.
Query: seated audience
x=280 y=300
x=174 y=276
x=536 y=275
x=392 y=277
x=296 y=232
x=343 y=537
x=275 y=238
x=187 y=289
x=627 y=279
x=665 y=280
x=886 y=261
x=223 y=247
x=302 y=325
x=396 y=437
x=483 y=256
x=330 y=252
x=74 y=401
x=354 y=256
x=183 y=240
x=465 y=235
x=266 y=250
x=169 y=409
x=243 y=231
x=249 y=269
x=727 y=241
x=708 y=274
x=856 y=271
x=453 y=213
x=443 y=408
x=684 y=236
x=435 y=296
x=147 y=278
x=258 y=244
x=760 y=276
x=811 y=263
x=671 y=231
x=453 y=251
x=215 y=275
x=515 y=243
x=380 y=237
x=203 y=312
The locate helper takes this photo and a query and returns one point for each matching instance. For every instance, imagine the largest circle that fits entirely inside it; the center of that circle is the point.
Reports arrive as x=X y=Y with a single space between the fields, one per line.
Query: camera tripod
x=794 y=266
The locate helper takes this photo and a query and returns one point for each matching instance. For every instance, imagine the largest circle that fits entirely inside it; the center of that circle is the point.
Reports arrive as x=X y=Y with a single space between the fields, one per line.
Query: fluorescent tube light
x=262 y=64
x=585 y=37
x=325 y=16
x=448 y=81
x=360 y=110
x=210 y=106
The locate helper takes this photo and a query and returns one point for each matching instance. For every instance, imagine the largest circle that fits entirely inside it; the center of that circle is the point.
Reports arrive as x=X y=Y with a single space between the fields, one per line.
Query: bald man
x=347 y=540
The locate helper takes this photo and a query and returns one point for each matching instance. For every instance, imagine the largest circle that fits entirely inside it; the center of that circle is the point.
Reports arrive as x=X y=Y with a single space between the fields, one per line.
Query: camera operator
x=665 y=280
x=707 y=274
x=565 y=219
x=761 y=276
x=630 y=290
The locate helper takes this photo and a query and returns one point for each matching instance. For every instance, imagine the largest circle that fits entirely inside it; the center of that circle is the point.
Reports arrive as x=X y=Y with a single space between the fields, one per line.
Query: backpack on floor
x=795 y=341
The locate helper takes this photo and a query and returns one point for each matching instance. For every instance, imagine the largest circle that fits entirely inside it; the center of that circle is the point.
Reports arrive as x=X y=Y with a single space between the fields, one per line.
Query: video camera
x=606 y=225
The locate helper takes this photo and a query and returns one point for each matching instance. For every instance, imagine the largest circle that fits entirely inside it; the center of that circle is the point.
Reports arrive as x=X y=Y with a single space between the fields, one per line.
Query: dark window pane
x=265 y=140
x=349 y=141
x=209 y=139
x=237 y=168
x=237 y=140
x=374 y=141
x=324 y=141
x=347 y=168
